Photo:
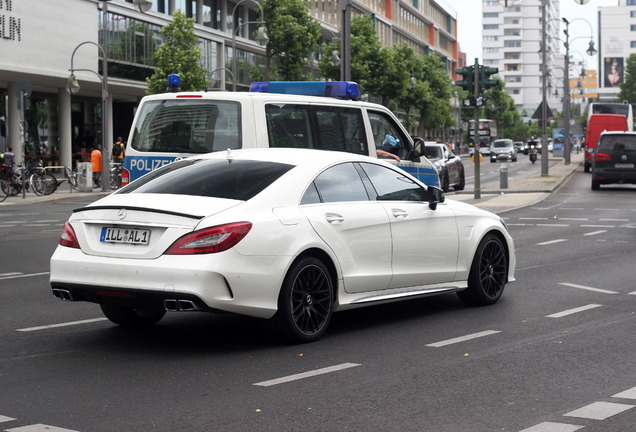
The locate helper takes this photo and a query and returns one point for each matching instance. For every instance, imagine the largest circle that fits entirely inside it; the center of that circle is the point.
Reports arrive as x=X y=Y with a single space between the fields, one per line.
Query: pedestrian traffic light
x=484 y=77
x=467 y=83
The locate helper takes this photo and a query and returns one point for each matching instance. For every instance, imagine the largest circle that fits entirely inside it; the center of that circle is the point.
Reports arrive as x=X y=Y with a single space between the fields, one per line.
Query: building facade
x=617 y=41
x=42 y=40
x=511 y=40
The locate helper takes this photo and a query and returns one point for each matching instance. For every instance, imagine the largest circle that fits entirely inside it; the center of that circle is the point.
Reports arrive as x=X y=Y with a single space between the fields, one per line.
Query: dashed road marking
x=598 y=226
x=39 y=428
x=595 y=232
x=462 y=338
x=66 y=324
x=627 y=394
x=303 y=375
x=573 y=311
x=573 y=219
x=599 y=410
x=583 y=287
x=5 y=419
x=20 y=275
x=613 y=220
x=553 y=427
x=551 y=242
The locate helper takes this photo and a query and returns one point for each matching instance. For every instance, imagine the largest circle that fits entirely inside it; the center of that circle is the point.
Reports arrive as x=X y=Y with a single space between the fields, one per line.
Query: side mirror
x=419 y=144
x=435 y=196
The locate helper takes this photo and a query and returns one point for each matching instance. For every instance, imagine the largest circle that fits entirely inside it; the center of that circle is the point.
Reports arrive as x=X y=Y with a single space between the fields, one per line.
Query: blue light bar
x=174 y=83
x=337 y=89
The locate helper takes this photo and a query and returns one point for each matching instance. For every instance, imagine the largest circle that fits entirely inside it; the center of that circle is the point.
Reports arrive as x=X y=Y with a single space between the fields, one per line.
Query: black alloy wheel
x=305 y=303
x=488 y=273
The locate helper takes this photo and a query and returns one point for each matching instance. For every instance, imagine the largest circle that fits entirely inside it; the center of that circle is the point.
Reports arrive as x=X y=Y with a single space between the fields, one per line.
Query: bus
x=613 y=108
x=487 y=134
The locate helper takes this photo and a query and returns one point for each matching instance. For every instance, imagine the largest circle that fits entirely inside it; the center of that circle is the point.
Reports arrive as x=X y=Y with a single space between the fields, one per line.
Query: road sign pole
x=477 y=153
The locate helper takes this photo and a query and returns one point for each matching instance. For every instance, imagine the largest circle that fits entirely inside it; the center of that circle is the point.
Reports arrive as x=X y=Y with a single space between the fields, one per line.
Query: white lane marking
x=553 y=427
x=5 y=419
x=10 y=274
x=595 y=232
x=462 y=338
x=613 y=220
x=49 y=221
x=573 y=219
x=599 y=410
x=36 y=225
x=607 y=209
x=627 y=394
x=7 y=226
x=573 y=208
x=551 y=242
x=531 y=218
x=306 y=374
x=553 y=225
x=632 y=293
x=20 y=275
x=583 y=287
x=70 y=323
x=573 y=311
x=598 y=226
x=39 y=428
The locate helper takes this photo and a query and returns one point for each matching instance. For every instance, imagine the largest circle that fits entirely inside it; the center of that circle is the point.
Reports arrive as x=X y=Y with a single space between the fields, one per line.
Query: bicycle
x=70 y=175
x=4 y=190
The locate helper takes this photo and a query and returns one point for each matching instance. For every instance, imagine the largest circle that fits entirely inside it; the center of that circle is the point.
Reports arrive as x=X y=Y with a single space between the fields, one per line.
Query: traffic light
x=467 y=83
x=484 y=77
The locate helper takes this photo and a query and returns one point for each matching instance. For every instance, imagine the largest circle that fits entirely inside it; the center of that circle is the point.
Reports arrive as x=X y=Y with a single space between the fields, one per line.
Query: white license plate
x=125 y=235
x=624 y=165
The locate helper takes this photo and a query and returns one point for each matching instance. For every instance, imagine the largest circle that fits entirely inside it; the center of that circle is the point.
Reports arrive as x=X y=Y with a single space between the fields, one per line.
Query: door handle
x=334 y=218
x=399 y=213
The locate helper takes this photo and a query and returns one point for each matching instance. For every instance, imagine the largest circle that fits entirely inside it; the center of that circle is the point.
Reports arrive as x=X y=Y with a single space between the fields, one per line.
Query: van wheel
x=586 y=167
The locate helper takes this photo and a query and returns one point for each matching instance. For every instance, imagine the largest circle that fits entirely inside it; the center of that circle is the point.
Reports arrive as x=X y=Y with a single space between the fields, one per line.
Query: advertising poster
x=613 y=71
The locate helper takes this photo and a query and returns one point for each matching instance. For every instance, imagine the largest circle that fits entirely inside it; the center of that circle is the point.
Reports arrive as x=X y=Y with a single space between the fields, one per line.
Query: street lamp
x=216 y=70
x=72 y=86
x=143 y=5
x=261 y=37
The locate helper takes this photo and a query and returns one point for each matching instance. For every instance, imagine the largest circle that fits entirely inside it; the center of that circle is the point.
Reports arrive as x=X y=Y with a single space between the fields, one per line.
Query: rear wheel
x=445 y=185
x=130 y=317
x=71 y=177
x=462 y=181
x=586 y=167
x=488 y=273
x=305 y=304
x=595 y=185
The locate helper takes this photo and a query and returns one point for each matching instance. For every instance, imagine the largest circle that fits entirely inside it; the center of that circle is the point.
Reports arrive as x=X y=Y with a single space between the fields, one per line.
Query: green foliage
x=370 y=64
x=501 y=107
x=293 y=36
x=628 y=86
x=179 y=54
x=436 y=110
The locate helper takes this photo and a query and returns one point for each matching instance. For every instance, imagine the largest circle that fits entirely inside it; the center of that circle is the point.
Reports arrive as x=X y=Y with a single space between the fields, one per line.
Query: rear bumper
x=608 y=176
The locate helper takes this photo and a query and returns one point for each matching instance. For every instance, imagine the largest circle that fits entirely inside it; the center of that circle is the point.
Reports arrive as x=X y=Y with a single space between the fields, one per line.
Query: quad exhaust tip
x=176 y=305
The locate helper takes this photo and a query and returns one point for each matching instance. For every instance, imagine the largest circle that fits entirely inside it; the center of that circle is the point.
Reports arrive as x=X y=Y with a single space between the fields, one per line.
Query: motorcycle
x=532 y=152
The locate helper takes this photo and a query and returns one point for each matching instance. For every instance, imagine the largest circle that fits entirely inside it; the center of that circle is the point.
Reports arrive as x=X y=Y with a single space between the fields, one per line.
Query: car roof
x=618 y=133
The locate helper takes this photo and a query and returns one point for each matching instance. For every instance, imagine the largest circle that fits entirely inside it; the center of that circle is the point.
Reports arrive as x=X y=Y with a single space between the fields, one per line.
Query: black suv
x=614 y=159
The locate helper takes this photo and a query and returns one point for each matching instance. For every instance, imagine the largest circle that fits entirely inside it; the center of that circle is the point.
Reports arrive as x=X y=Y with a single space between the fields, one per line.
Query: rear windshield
x=187 y=126
x=231 y=179
x=618 y=142
x=500 y=144
x=433 y=152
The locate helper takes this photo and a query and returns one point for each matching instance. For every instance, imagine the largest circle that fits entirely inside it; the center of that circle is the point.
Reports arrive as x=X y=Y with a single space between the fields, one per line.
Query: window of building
x=512 y=44
x=632 y=14
x=633 y=26
x=491 y=38
x=491 y=14
x=491 y=26
x=631 y=2
x=632 y=44
x=212 y=14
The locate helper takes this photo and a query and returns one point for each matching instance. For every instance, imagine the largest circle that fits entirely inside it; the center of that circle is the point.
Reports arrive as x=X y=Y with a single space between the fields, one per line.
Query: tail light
x=68 y=237
x=602 y=157
x=125 y=177
x=210 y=240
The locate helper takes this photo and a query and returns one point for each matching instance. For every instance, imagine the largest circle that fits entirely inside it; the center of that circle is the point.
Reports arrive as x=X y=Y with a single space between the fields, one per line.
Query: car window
x=386 y=134
x=433 y=152
x=339 y=183
x=288 y=125
x=618 y=142
x=391 y=185
x=232 y=179
x=341 y=129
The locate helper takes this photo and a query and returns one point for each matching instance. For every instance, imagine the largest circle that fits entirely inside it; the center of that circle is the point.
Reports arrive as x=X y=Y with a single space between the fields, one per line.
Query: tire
x=130 y=317
x=462 y=181
x=445 y=185
x=50 y=184
x=70 y=177
x=488 y=273
x=4 y=190
x=305 y=303
x=595 y=185
x=586 y=167
x=38 y=184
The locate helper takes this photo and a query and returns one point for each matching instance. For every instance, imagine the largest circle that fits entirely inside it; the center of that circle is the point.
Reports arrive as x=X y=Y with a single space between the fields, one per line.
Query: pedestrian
x=119 y=151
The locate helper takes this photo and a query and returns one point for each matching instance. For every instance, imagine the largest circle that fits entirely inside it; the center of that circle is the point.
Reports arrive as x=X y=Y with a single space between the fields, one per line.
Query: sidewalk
x=523 y=192
x=520 y=192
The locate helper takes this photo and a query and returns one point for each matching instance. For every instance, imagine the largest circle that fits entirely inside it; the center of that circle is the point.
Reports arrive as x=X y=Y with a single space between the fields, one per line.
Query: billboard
x=613 y=71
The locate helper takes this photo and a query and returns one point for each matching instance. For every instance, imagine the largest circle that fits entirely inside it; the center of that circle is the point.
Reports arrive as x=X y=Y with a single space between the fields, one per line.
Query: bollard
x=503 y=171
x=85 y=177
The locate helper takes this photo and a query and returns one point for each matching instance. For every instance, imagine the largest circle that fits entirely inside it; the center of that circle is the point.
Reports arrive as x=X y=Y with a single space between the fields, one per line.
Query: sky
x=469 y=25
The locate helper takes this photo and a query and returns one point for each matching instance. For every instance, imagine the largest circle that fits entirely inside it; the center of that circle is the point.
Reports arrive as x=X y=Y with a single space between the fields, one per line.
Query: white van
x=311 y=114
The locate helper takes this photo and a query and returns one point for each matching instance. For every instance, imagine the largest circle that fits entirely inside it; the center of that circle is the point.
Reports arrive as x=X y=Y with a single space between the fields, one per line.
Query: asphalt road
x=557 y=349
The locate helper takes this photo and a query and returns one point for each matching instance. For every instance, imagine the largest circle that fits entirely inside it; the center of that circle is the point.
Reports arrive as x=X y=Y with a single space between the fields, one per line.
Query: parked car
x=449 y=166
x=503 y=147
x=288 y=234
x=614 y=159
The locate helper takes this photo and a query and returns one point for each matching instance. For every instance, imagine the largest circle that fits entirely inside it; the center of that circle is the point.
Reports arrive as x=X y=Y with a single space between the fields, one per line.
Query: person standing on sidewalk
x=119 y=151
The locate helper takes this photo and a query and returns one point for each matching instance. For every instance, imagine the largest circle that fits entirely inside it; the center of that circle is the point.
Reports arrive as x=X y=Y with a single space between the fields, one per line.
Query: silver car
x=503 y=147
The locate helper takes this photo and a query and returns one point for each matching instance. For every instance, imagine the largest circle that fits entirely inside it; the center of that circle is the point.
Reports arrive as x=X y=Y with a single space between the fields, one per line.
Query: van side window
x=387 y=135
x=316 y=126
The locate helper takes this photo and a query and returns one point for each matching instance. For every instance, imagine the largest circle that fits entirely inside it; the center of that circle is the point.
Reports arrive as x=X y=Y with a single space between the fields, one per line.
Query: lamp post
x=72 y=86
x=345 y=49
x=260 y=38
x=566 y=83
x=216 y=70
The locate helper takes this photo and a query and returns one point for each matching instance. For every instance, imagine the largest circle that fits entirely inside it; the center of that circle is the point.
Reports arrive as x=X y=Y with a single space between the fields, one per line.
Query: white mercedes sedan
x=288 y=234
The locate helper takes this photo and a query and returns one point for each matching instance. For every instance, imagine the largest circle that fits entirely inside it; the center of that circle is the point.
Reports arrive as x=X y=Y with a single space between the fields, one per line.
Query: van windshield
x=187 y=126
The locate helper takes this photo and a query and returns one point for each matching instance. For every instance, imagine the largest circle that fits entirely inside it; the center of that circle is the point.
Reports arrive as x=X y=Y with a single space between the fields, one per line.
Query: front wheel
x=305 y=303
x=130 y=317
x=462 y=181
x=71 y=177
x=488 y=273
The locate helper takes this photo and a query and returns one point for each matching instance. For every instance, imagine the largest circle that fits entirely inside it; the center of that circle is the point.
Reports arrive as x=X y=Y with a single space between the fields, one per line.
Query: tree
x=293 y=37
x=436 y=110
x=628 y=86
x=178 y=55
x=501 y=106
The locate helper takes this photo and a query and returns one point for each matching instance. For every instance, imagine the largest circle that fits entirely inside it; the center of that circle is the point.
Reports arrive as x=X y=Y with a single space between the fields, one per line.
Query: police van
x=315 y=114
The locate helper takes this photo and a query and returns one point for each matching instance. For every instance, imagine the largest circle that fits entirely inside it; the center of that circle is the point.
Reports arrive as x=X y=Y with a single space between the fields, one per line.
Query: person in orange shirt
x=96 y=161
